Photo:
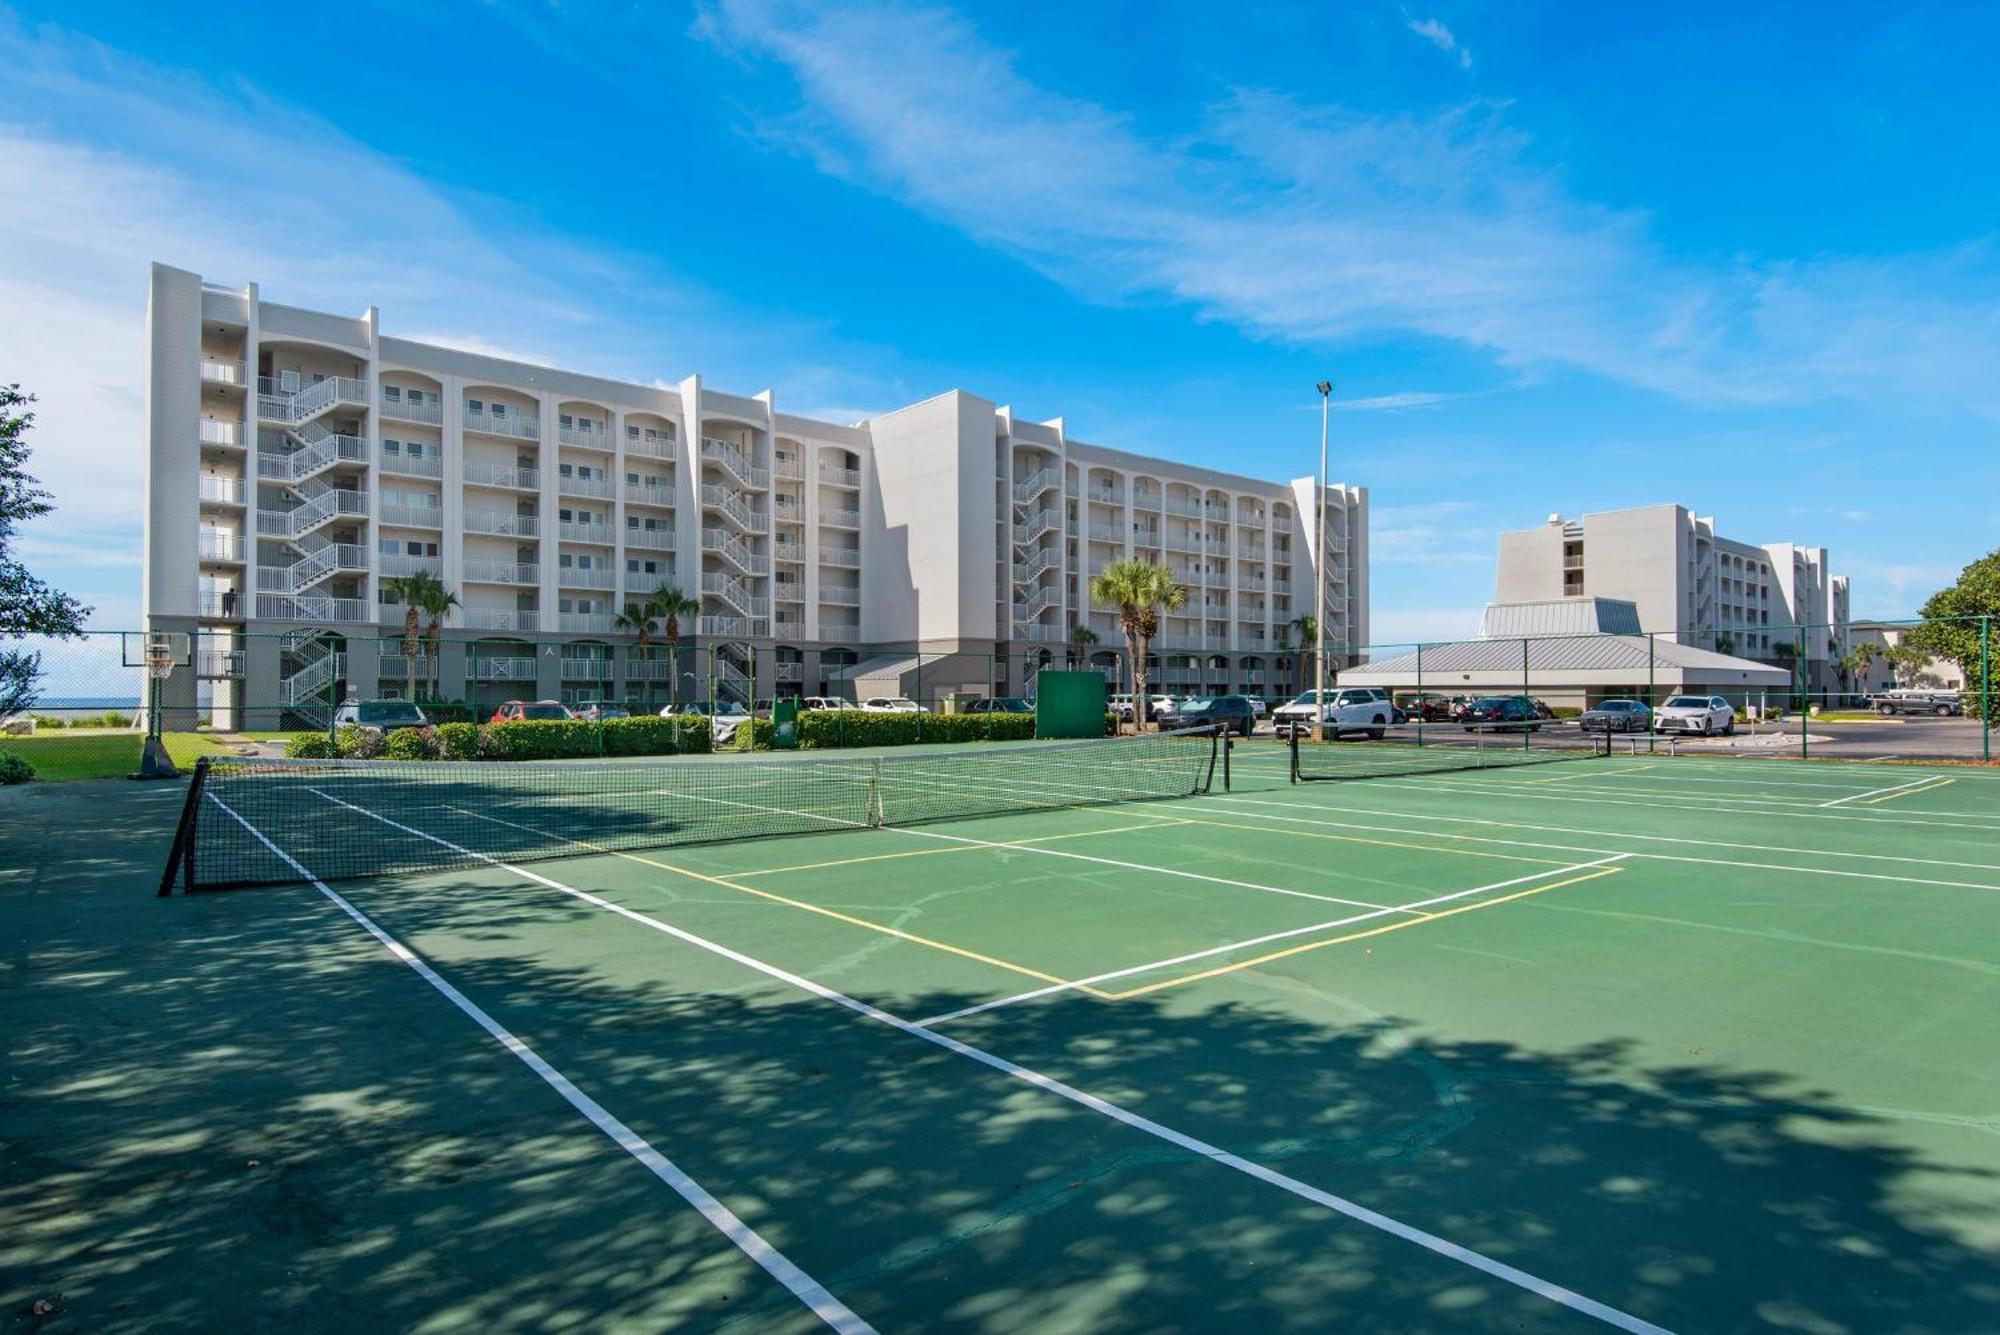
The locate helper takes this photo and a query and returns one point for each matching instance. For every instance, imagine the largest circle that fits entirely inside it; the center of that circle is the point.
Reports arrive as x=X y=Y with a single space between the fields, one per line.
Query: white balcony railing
x=218 y=663
x=846 y=557
x=430 y=410
x=789 y=465
x=836 y=476
x=429 y=465
x=501 y=524
x=418 y=516
x=734 y=627
x=395 y=567
x=502 y=475
x=571 y=530
x=588 y=434
x=788 y=549
x=840 y=518
x=313 y=607
x=584 y=623
x=841 y=595
x=500 y=618
x=226 y=490
x=586 y=669
x=585 y=486
x=213 y=432
x=487 y=571
x=222 y=547
x=576 y=577
x=221 y=373
x=511 y=424
x=646 y=495
x=838 y=634
x=504 y=667
x=650 y=539
x=653 y=447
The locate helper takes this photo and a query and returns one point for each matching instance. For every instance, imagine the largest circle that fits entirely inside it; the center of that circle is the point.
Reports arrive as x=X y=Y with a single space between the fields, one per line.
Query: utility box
x=1069 y=704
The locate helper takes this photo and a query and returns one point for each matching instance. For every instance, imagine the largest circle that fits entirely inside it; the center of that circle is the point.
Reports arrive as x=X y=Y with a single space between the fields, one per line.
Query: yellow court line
x=1906 y=792
x=1384 y=843
x=993 y=846
x=835 y=914
x=1357 y=936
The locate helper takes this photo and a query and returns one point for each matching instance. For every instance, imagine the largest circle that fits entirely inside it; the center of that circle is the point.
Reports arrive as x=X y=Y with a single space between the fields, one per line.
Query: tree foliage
x=1139 y=590
x=27 y=605
x=1952 y=625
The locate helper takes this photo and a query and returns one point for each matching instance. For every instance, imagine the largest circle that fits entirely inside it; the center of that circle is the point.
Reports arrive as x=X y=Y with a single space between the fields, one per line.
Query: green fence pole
x=1985 y=687
x=1527 y=734
x=1420 y=695
x=1805 y=701
x=1652 y=693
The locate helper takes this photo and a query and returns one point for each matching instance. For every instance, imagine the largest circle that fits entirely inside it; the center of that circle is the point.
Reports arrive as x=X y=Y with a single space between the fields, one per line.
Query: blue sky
x=1555 y=257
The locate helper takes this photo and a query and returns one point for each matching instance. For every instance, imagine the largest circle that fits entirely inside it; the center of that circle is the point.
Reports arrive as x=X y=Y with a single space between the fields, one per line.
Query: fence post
x=332 y=695
x=1527 y=734
x=1420 y=695
x=1652 y=693
x=1985 y=688
x=1805 y=696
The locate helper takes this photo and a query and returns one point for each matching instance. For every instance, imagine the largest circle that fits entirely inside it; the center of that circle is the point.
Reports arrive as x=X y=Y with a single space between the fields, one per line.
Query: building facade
x=1760 y=602
x=300 y=461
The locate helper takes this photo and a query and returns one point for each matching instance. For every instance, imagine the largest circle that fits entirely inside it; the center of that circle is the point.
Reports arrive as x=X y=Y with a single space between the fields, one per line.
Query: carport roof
x=1577 y=658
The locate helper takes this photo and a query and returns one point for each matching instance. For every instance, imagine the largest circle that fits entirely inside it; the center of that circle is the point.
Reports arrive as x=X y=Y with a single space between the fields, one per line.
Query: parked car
x=1426 y=706
x=379 y=715
x=1232 y=713
x=1617 y=716
x=519 y=711
x=724 y=717
x=892 y=704
x=1459 y=704
x=1348 y=710
x=998 y=704
x=1703 y=715
x=1501 y=713
x=1941 y=703
x=1543 y=710
x=825 y=702
x=596 y=711
x=1259 y=704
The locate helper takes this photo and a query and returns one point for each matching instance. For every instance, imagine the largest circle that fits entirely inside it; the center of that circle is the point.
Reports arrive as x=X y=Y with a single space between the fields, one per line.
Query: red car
x=517 y=711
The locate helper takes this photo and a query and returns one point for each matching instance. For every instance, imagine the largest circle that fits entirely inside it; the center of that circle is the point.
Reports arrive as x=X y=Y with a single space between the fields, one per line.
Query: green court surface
x=1627 y=1042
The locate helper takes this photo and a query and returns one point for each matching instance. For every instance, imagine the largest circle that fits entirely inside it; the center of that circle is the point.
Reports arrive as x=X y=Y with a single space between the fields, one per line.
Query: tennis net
x=1407 y=748
x=266 y=821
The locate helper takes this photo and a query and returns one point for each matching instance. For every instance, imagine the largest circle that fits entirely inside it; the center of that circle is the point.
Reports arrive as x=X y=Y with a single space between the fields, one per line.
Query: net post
x=1420 y=694
x=876 y=816
x=1293 y=747
x=180 y=857
x=1228 y=748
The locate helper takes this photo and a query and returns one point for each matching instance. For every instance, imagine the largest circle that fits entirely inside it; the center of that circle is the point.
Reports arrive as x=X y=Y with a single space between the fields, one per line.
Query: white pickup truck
x=1347 y=710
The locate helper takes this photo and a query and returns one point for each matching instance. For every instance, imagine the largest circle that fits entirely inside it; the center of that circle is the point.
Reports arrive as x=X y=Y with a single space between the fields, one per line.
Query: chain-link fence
x=1918 y=690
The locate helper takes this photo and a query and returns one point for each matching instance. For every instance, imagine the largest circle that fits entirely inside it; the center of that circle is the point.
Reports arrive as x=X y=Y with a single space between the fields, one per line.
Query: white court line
x=804 y=1287
x=1914 y=817
x=1637 y=853
x=1215 y=1154
x=1191 y=956
x=1877 y=792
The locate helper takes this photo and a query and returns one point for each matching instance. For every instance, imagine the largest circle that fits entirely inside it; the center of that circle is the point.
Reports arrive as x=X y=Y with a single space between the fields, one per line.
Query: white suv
x=1702 y=715
x=1349 y=709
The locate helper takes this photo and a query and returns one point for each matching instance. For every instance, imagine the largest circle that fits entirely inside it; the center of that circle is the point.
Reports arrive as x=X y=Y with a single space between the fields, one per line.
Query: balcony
x=431 y=410
x=649 y=539
x=511 y=476
x=837 y=634
x=586 y=669
x=586 y=434
x=733 y=505
x=584 y=623
x=1111 y=533
x=640 y=494
x=220 y=490
x=840 y=595
x=1177 y=505
x=210 y=663
x=430 y=465
x=512 y=425
x=849 y=557
x=482 y=570
x=396 y=567
x=789 y=465
x=840 y=519
x=576 y=577
x=222 y=373
x=277 y=403
x=735 y=461
x=419 y=516
x=312 y=607
x=599 y=487
x=501 y=618
x=788 y=549
x=835 y=476
x=572 y=531
x=504 y=668
x=224 y=603
x=1103 y=496
x=651 y=445
x=1038 y=633
x=501 y=524
x=212 y=432
x=226 y=547
x=733 y=627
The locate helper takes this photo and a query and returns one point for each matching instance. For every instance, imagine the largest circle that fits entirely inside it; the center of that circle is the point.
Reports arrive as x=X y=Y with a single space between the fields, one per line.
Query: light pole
x=1319 y=573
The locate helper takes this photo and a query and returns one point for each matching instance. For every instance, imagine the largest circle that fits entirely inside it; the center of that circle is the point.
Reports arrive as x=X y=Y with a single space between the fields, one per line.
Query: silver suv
x=1349 y=709
x=1941 y=703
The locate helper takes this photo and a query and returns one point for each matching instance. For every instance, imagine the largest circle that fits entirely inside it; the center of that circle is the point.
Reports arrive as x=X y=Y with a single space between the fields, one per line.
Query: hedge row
x=529 y=739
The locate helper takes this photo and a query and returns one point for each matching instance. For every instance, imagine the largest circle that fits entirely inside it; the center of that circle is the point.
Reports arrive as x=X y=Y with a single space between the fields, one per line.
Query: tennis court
x=1629 y=1041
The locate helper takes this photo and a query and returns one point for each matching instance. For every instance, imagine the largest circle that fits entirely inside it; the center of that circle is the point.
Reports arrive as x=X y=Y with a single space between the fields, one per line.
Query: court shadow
x=239 y=1111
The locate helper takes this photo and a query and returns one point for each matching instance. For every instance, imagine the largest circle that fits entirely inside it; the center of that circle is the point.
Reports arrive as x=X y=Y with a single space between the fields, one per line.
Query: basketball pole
x=154 y=762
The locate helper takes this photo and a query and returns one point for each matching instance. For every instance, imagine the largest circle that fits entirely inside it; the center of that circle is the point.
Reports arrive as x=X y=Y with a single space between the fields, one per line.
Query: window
x=566 y=515
x=565 y=419
x=392 y=393
x=631 y=433
x=637 y=567
x=422 y=549
x=415 y=449
x=564 y=470
x=474 y=406
x=499 y=410
x=386 y=546
x=415 y=395
x=390 y=446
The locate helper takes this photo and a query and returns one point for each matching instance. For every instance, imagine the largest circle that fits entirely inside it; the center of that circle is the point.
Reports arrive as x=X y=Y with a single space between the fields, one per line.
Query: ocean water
x=78 y=706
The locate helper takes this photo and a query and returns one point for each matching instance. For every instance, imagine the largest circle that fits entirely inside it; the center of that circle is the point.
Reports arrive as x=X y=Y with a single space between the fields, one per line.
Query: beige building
x=1933 y=674
x=1686 y=580
x=298 y=460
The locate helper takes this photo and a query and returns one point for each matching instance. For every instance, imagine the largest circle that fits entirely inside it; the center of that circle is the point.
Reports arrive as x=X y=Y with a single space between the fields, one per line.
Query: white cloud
x=1392 y=630
x=1429 y=533
x=1317 y=224
x=1394 y=402
x=1440 y=36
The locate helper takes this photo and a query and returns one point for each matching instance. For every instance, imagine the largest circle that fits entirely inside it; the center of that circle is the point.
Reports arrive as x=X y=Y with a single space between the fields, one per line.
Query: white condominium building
x=1686 y=580
x=299 y=461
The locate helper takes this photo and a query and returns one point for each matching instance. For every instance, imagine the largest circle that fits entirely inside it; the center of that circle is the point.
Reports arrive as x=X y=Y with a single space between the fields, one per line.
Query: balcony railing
x=841 y=595
x=584 y=623
x=658 y=447
x=650 y=539
x=1037 y=632
x=487 y=571
x=788 y=549
x=221 y=373
x=789 y=465
x=276 y=404
x=313 y=607
x=840 y=518
x=836 y=476
x=395 y=567
x=1177 y=505
x=594 y=436
x=431 y=410
x=734 y=627
x=418 y=516
x=647 y=495
x=585 y=486
x=225 y=490
x=732 y=457
x=500 y=618
x=428 y=466
x=503 y=667
x=219 y=603
x=503 y=475
x=213 y=432
x=576 y=577
x=838 y=634
x=839 y=556
x=572 y=531
x=501 y=524
x=586 y=669
x=218 y=663
x=502 y=424
x=222 y=547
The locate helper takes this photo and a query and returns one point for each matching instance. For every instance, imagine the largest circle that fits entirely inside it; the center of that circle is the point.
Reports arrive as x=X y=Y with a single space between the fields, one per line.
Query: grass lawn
x=79 y=754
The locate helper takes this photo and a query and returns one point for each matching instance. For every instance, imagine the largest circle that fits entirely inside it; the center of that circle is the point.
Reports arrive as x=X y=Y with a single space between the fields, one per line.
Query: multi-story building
x=298 y=462
x=1687 y=580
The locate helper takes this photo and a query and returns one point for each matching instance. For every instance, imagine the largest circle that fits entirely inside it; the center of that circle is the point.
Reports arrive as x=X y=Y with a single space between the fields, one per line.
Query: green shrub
x=458 y=741
x=1110 y=724
x=50 y=721
x=827 y=729
x=411 y=744
x=309 y=746
x=115 y=720
x=14 y=769
x=355 y=742
x=650 y=735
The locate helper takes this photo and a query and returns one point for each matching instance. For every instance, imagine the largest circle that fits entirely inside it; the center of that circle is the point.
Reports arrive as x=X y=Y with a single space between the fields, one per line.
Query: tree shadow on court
x=238 y=1111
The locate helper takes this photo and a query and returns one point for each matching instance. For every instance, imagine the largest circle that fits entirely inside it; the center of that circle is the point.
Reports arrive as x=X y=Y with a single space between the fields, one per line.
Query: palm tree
x=668 y=604
x=1080 y=640
x=405 y=590
x=1308 y=628
x=638 y=619
x=1860 y=657
x=436 y=601
x=1139 y=590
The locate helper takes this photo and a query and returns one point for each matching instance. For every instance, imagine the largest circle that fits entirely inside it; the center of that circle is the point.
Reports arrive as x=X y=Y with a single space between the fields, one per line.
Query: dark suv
x=1425 y=706
x=1502 y=713
x=1232 y=713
